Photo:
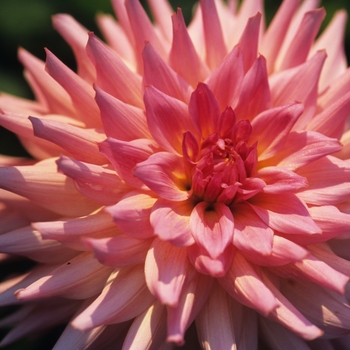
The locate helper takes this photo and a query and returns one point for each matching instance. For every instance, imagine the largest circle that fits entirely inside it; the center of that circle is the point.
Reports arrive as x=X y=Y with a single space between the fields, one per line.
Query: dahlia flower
x=186 y=182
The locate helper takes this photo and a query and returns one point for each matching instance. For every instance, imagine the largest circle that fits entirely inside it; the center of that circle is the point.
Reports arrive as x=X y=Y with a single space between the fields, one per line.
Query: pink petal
x=272 y=127
x=226 y=80
x=171 y=222
x=214 y=40
x=165 y=174
x=329 y=181
x=251 y=234
x=162 y=11
x=76 y=36
x=212 y=227
x=124 y=297
x=292 y=217
x=255 y=94
x=80 y=143
x=183 y=57
x=120 y=120
x=100 y=184
x=289 y=316
x=204 y=110
x=143 y=30
x=281 y=180
x=44 y=186
x=207 y=265
x=126 y=155
x=119 y=251
x=165 y=279
x=300 y=46
x=244 y=284
x=113 y=76
x=46 y=89
x=249 y=41
x=80 y=278
x=181 y=317
x=132 y=212
x=302 y=148
x=148 y=329
x=159 y=74
x=79 y=90
x=167 y=119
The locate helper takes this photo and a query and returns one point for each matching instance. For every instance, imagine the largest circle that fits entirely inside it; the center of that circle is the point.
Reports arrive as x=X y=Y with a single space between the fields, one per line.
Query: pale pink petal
x=244 y=284
x=79 y=90
x=76 y=36
x=167 y=119
x=113 y=76
x=251 y=234
x=132 y=212
x=272 y=127
x=119 y=251
x=226 y=80
x=204 y=110
x=183 y=57
x=166 y=268
x=214 y=321
x=125 y=296
x=205 y=264
x=191 y=301
x=162 y=11
x=98 y=183
x=214 y=40
x=165 y=174
x=255 y=95
x=120 y=120
x=124 y=156
x=78 y=142
x=159 y=74
x=43 y=185
x=11 y=220
x=143 y=30
x=79 y=278
x=212 y=227
x=148 y=330
x=171 y=222
x=281 y=180
x=328 y=181
x=300 y=46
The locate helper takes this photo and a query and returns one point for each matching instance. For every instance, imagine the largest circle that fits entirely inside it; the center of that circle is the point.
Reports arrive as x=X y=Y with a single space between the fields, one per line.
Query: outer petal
x=132 y=214
x=165 y=174
x=124 y=297
x=244 y=284
x=171 y=222
x=166 y=268
x=212 y=227
x=293 y=217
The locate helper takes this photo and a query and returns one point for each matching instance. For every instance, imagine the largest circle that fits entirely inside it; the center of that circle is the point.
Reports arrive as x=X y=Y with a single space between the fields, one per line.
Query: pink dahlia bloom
x=185 y=178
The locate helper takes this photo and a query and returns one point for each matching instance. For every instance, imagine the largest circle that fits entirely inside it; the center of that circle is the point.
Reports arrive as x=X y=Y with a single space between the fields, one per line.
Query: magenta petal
x=293 y=217
x=165 y=174
x=171 y=222
x=165 y=279
x=212 y=227
x=132 y=213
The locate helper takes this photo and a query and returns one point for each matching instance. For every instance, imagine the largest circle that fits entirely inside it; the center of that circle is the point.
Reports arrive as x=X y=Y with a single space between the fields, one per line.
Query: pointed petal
x=292 y=217
x=120 y=120
x=171 y=222
x=132 y=212
x=166 y=268
x=113 y=76
x=165 y=174
x=125 y=296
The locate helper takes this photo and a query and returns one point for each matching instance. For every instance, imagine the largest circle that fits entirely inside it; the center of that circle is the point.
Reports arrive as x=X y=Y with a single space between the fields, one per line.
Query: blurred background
x=27 y=23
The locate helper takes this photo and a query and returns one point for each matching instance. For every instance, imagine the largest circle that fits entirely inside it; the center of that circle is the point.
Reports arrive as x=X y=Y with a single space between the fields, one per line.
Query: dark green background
x=27 y=23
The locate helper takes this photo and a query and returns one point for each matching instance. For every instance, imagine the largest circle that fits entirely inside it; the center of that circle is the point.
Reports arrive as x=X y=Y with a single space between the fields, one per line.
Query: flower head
x=183 y=174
